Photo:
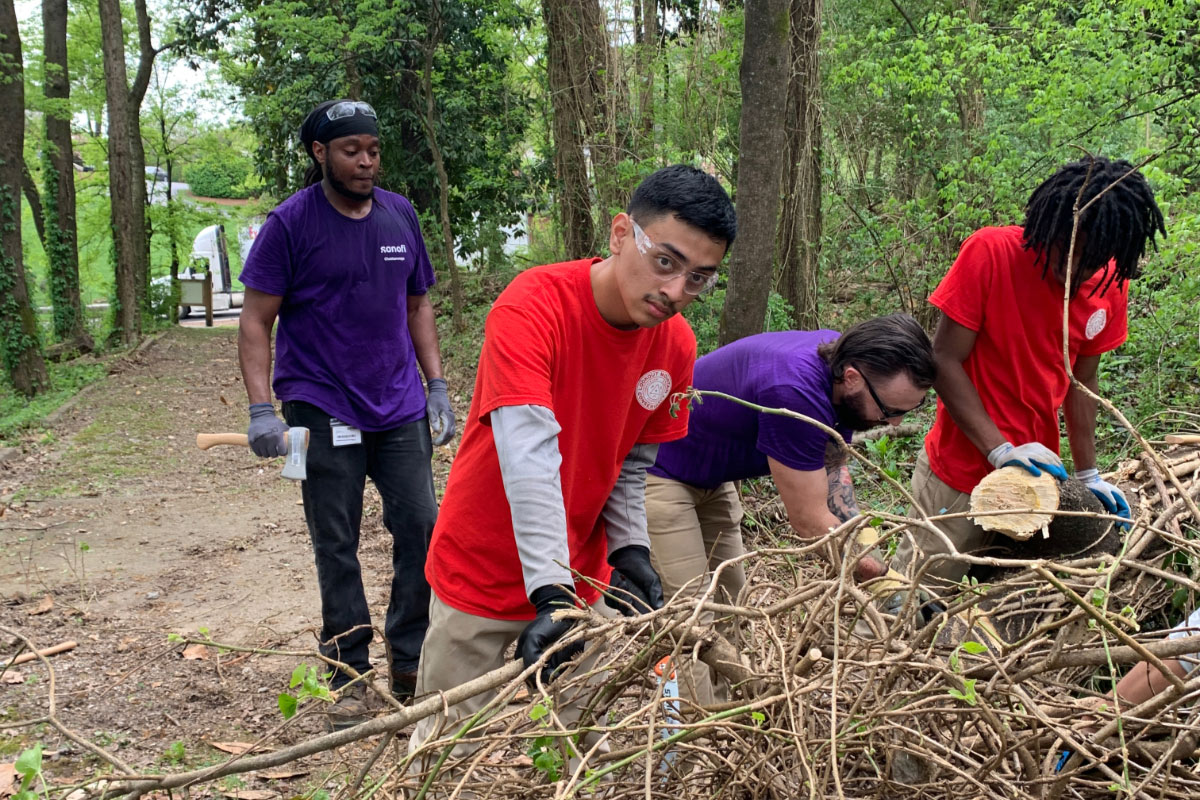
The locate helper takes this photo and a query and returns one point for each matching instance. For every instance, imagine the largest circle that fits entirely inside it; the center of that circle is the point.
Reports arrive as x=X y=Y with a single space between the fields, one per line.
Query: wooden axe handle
x=1183 y=438
x=207 y=440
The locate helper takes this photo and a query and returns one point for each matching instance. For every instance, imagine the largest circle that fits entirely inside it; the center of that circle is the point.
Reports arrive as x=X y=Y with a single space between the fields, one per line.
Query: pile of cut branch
x=831 y=697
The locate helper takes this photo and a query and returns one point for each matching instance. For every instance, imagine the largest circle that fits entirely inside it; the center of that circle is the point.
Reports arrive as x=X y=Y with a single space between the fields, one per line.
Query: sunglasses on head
x=348 y=108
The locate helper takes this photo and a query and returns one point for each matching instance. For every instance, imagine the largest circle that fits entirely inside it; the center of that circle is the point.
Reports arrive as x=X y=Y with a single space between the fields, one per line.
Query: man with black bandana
x=342 y=265
x=872 y=375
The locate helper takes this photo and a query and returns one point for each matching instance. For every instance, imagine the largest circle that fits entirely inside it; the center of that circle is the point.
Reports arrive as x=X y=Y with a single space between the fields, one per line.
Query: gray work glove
x=1111 y=496
x=1033 y=456
x=437 y=408
x=541 y=634
x=267 y=432
x=635 y=586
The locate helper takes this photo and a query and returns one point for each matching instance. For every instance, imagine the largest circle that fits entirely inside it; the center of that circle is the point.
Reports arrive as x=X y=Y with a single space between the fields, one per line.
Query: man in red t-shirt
x=1001 y=378
x=546 y=497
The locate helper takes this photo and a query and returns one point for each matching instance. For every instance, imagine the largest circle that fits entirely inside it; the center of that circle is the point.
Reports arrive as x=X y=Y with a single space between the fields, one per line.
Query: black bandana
x=318 y=127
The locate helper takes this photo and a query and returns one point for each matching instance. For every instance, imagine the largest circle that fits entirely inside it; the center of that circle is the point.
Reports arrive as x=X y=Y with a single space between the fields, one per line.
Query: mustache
x=662 y=301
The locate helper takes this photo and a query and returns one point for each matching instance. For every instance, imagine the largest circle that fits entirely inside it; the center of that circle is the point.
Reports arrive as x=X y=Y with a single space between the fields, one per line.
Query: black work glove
x=441 y=416
x=267 y=433
x=544 y=631
x=636 y=588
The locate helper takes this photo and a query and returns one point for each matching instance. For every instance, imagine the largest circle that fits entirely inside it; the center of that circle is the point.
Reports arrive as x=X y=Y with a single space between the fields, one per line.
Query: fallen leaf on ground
x=46 y=604
x=8 y=779
x=12 y=676
x=251 y=794
x=195 y=652
x=282 y=774
x=237 y=748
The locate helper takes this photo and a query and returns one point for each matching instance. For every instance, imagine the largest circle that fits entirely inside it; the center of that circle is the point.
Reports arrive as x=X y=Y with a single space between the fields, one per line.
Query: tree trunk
x=647 y=56
x=137 y=93
x=456 y=292
x=764 y=80
x=22 y=350
x=34 y=198
x=800 y=221
x=172 y=231
x=126 y=190
x=62 y=253
x=570 y=165
x=605 y=96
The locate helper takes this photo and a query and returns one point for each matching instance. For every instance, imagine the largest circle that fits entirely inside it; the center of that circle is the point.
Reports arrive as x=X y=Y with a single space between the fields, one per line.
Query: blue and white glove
x=1112 y=497
x=441 y=416
x=1033 y=456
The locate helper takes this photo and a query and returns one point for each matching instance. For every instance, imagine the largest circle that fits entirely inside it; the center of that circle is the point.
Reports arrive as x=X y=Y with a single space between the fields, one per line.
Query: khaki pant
x=918 y=545
x=460 y=647
x=692 y=531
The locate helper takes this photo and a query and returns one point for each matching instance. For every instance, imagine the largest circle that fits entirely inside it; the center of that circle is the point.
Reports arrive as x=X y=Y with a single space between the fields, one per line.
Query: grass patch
x=116 y=444
x=18 y=414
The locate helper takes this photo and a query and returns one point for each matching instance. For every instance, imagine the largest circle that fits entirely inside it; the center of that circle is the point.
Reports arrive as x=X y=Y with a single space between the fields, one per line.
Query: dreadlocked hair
x=1117 y=226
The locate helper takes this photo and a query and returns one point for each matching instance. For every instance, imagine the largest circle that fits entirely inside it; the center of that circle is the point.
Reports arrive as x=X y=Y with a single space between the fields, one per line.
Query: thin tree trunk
x=172 y=225
x=137 y=93
x=22 y=349
x=570 y=165
x=126 y=189
x=606 y=103
x=34 y=198
x=647 y=56
x=456 y=292
x=763 y=77
x=800 y=221
x=62 y=253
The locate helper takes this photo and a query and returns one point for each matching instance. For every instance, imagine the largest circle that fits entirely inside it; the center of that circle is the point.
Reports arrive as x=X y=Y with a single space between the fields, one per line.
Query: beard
x=850 y=414
x=341 y=188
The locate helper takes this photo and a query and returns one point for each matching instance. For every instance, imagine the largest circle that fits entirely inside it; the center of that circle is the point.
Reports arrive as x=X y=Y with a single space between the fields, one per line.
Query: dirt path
x=134 y=534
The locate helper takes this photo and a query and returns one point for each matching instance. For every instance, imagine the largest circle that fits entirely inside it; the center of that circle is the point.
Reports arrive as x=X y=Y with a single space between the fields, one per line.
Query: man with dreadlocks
x=342 y=265
x=1001 y=379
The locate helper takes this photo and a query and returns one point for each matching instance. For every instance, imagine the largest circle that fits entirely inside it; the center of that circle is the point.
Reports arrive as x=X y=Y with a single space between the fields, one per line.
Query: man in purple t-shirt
x=876 y=373
x=342 y=265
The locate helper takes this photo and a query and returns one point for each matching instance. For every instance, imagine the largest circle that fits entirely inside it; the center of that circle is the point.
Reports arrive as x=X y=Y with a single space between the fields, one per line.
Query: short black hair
x=882 y=348
x=1118 y=225
x=691 y=195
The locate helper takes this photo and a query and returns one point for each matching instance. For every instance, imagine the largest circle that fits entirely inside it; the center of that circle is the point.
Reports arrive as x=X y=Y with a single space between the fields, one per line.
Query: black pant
x=398 y=461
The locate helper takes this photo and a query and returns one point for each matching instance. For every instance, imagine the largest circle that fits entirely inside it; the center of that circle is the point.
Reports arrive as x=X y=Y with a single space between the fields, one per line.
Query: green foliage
x=549 y=751
x=223 y=177
x=967 y=693
x=18 y=414
x=704 y=315
x=60 y=253
x=176 y=753
x=309 y=684
x=15 y=337
x=29 y=767
x=378 y=53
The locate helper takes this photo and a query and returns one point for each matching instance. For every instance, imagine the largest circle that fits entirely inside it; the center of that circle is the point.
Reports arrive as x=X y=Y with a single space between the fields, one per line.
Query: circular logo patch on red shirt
x=653 y=388
x=1096 y=323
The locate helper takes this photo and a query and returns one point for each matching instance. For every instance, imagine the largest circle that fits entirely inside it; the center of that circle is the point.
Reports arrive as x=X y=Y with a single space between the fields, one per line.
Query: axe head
x=296 y=466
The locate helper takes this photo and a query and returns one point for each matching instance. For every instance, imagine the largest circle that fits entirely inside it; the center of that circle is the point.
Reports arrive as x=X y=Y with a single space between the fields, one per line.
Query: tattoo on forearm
x=841 y=493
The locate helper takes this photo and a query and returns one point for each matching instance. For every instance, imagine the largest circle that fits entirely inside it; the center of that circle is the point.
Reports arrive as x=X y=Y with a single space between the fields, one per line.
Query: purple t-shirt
x=729 y=442
x=343 y=343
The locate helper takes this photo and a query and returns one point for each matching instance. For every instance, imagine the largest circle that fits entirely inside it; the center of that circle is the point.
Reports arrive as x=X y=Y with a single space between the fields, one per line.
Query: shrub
x=221 y=177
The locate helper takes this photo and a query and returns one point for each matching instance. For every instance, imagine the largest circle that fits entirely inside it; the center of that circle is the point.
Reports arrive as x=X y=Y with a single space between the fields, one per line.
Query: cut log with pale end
x=1010 y=489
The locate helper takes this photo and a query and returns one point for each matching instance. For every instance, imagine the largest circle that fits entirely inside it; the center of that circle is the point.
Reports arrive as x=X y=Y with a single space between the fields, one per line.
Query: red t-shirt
x=546 y=344
x=995 y=289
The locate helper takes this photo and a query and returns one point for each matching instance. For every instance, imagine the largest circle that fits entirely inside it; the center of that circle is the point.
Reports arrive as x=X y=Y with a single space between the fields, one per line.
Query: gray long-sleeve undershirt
x=526 y=438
